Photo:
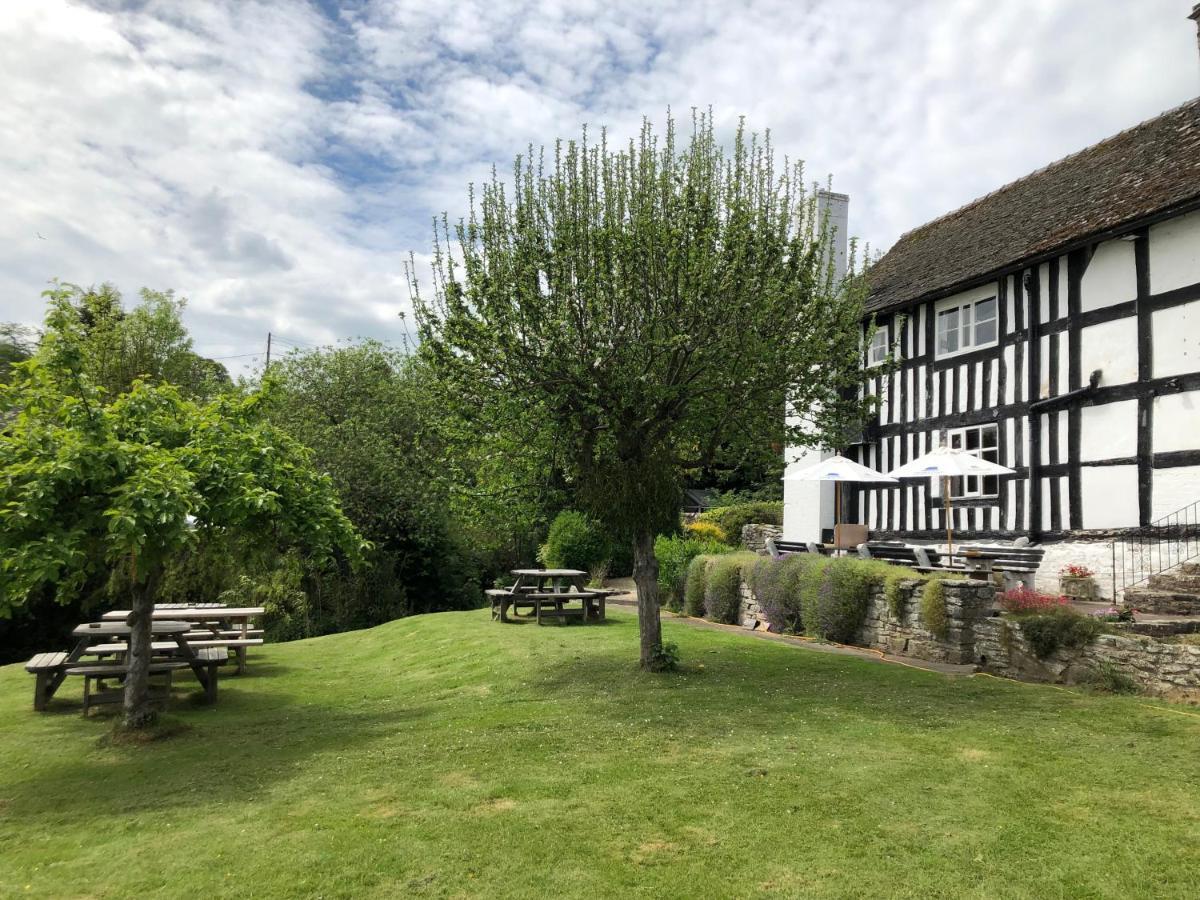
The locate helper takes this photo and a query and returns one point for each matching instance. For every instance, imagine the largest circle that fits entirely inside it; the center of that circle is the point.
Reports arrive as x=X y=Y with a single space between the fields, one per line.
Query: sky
x=275 y=163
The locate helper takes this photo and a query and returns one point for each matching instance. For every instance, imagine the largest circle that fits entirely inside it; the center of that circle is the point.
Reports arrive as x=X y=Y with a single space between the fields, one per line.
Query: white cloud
x=275 y=164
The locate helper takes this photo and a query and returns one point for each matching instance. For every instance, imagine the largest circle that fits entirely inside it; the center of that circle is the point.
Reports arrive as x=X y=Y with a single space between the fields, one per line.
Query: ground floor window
x=981 y=441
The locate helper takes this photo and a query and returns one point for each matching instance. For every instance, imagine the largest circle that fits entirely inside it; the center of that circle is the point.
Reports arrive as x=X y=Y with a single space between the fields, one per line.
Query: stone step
x=1156 y=601
x=1176 y=583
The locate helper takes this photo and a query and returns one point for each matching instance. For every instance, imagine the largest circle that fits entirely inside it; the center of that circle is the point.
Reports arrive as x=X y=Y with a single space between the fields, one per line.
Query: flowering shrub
x=1024 y=600
x=1076 y=571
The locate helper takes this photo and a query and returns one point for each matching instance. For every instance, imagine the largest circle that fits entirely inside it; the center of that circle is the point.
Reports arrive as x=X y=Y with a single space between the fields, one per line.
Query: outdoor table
x=100 y=632
x=210 y=618
x=978 y=561
x=539 y=587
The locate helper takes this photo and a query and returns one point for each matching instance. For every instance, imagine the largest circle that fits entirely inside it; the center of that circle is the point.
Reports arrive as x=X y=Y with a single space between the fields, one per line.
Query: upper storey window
x=963 y=326
x=878 y=351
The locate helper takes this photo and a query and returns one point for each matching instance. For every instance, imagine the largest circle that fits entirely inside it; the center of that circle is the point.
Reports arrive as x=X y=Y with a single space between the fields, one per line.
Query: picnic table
x=546 y=592
x=52 y=669
x=213 y=626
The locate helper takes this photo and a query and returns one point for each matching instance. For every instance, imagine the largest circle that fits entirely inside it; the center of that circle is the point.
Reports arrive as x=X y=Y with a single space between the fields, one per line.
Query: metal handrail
x=1164 y=544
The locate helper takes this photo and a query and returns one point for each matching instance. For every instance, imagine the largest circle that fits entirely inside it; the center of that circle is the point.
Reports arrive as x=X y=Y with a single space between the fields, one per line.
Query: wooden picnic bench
x=898 y=553
x=212 y=626
x=778 y=549
x=51 y=669
x=546 y=592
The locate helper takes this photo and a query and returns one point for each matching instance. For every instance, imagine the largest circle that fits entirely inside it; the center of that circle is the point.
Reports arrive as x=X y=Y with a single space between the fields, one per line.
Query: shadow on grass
x=232 y=751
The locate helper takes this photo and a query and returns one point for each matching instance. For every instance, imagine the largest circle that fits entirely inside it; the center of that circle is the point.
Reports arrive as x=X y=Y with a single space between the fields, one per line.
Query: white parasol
x=838 y=469
x=947 y=463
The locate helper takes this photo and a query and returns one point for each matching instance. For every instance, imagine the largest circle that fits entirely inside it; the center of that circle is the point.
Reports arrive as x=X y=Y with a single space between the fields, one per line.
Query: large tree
x=651 y=306
x=93 y=484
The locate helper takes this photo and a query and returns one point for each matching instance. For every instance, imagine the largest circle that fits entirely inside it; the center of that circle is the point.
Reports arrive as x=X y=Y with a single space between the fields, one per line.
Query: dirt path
x=628 y=600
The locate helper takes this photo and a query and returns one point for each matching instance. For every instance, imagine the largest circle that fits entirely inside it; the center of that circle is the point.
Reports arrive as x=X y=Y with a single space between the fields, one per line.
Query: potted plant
x=1077 y=582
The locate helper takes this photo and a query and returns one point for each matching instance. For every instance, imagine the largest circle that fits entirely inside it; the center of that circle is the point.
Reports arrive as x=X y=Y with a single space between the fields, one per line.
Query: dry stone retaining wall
x=996 y=645
x=754 y=537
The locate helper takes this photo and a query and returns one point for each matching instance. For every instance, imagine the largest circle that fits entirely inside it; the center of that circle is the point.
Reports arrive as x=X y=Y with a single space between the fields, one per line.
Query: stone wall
x=1157 y=667
x=996 y=645
x=754 y=537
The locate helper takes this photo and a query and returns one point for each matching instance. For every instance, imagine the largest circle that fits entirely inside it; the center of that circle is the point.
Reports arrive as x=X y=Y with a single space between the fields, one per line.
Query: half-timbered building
x=1052 y=326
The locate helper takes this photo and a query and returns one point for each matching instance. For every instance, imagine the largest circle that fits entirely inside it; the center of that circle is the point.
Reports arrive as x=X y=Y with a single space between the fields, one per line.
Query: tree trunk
x=139 y=713
x=645 y=576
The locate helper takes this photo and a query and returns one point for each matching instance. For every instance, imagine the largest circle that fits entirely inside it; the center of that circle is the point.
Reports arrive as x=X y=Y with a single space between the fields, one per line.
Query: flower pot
x=1077 y=587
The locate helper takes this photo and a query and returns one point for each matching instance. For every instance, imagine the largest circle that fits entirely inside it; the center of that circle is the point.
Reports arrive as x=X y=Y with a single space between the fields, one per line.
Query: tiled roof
x=1148 y=169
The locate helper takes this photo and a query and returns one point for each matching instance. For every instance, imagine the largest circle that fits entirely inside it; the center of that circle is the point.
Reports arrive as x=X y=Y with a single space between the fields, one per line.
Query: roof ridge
x=1050 y=165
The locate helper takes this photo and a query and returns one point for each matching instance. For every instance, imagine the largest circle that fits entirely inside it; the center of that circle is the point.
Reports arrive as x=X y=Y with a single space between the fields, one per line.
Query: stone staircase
x=1173 y=593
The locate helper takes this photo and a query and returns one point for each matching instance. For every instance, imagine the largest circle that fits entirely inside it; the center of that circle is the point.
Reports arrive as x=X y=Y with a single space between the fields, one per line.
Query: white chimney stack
x=837 y=207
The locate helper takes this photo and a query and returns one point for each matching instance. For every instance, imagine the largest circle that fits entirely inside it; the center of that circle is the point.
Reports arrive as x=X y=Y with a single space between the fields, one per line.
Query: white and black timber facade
x=1052 y=326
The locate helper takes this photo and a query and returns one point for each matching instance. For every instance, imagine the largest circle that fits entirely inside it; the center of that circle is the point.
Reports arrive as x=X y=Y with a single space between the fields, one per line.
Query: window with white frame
x=981 y=441
x=877 y=352
x=966 y=326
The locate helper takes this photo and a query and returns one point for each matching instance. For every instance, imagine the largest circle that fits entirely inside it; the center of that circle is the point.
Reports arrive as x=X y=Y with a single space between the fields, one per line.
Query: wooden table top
x=549 y=573
x=194 y=614
x=120 y=629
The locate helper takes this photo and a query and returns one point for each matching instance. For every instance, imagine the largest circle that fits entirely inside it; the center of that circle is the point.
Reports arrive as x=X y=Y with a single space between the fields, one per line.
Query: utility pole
x=268 y=365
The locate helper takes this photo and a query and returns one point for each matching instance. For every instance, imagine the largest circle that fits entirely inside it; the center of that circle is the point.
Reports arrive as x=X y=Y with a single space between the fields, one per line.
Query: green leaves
x=88 y=483
x=657 y=305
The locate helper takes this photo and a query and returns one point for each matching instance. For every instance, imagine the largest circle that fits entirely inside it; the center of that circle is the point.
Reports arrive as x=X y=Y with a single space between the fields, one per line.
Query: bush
x=841 y=600
x=894 y=595
x=777 y=585
x=1023 y=600
x=666 y=659
x=575 y=541
x=722 y=587
x=1062 y=627
x=1107 y=678
x=674 y=554
x=730 y=519
x=933 y=608
x=693 y=591
x=705 y=531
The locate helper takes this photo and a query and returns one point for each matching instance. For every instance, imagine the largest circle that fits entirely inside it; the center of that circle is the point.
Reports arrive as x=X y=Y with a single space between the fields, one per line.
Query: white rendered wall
x=1175 y=253
x=1110 y=277
x=1112 y=348
x=1110 y=496
x=808 y=505
x=1174 y=489
x=1176 y=340
x=1108 y=431
x=1177 y=423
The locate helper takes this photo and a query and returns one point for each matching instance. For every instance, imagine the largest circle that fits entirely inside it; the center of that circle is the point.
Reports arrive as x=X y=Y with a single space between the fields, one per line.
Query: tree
x=651 y=307
x=148 y=341
x=94 y=485
x=373 y=423
x=16 y=345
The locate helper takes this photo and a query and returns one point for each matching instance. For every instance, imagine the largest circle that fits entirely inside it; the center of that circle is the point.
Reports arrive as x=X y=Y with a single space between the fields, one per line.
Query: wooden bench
x=898 y=553
x=1018 y=565
x=47 y=667
x=778 y=549
x=94 y=675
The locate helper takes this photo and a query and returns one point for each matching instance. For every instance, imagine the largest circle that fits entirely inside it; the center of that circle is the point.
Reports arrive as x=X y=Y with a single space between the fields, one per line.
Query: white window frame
x=972 y=486
x=967 y=326
x=877 y=350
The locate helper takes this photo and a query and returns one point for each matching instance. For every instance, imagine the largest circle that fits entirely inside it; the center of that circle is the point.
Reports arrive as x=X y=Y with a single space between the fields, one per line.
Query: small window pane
x=985 y=332
x=956 y=487
x=973 y=439
x=948 y=331
x=972 y=484
x=991 y=485
x=956 y=440
x=985 y=309
x=989 y=436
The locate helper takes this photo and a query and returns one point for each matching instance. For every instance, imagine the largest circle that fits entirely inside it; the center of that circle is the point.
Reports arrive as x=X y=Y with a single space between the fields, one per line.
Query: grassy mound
x=445 y=755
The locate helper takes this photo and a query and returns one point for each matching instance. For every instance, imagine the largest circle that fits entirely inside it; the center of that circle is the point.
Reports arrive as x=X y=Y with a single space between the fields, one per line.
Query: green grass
x=447 y=756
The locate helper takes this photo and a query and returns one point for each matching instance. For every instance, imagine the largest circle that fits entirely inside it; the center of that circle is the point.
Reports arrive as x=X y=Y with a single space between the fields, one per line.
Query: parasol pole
x=946 y=501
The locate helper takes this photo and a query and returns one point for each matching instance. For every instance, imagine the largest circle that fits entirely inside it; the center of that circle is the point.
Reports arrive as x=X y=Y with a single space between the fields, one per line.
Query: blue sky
x=276 y=162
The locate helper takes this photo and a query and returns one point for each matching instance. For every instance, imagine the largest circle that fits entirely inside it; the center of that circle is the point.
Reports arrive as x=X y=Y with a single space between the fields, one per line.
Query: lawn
x=447 y=756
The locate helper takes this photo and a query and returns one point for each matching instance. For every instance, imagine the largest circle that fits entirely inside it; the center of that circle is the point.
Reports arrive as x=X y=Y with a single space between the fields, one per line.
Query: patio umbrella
x=838 y=469
x=947 y=463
